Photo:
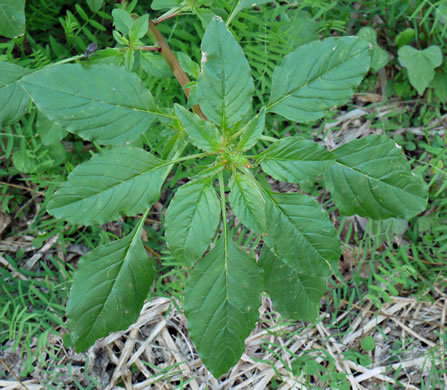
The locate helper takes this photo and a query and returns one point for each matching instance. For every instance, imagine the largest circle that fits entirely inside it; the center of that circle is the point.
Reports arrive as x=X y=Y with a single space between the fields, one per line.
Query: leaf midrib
x=113 y=186
x=372 y=178
x=270 y=106
x=91 y=99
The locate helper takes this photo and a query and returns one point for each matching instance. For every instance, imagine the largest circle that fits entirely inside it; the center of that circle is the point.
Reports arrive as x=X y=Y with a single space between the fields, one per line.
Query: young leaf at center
x=247 y=202
x=203 y=134
x=191 y=220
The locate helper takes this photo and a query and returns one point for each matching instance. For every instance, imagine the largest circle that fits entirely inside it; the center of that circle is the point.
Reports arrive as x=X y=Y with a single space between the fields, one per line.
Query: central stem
x=223 y=207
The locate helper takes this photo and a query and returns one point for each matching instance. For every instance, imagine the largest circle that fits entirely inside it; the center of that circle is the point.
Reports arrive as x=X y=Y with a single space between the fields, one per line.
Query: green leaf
x=13 y=97
x=379 y=56
x=439 y=84
x=225 y=86
x=300 y=233
x=252 y=131
x=299 y=27
x=124 y=180
x=155 y=65
x=420 y=65
x=139 y=28
x=203 y=134
x=24 y=162
x=191 y=220
x=295 y=294
x=95 y=5
x=122 y=20
x=317 y=77
x=372 y=178
x=405 y=37
x=368 y=344
x=295 y=159
x=12 y=18
x=105 y=103
x=49 y=132
x=222 y=296
x=109 y=289
x=188 y=65
x=247 y=202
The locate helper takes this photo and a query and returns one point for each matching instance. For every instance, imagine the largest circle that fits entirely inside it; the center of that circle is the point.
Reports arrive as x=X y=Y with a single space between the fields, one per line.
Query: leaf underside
x=120 y=181
x=109 y=289
x=317 y=77
x=222 y=297
x=103 y=103
x=372 y=178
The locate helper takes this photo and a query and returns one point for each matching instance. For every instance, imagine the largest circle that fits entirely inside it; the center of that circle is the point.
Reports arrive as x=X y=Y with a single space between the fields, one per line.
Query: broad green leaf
x=139 y=28
x=318 y=76
x=105 y=103
x=296 y=295
x=300 y=233
x=95 y=5
x=109 y=289
x=122 y=20
x=12 y=18
x=49 y=132
x=247 y=202
x=420 y=65
x=124 y=180
x=295 y=159
x=13 y=98
x=252 y=131
x=225 y=86
x=222 y=297
x=372 y=178
x=203 y=134
x=191 y=220
x=379 y=56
